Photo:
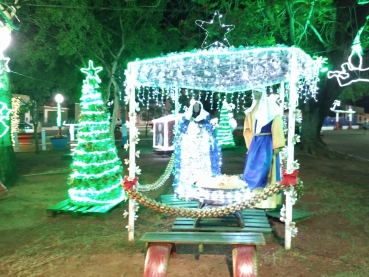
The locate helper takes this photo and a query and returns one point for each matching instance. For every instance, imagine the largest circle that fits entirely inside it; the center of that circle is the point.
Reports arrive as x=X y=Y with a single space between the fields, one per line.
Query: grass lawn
x=333 y=242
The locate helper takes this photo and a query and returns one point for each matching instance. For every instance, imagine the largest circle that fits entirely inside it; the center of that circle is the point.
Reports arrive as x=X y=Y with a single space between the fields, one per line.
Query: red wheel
x=157 y=258
x=244 y=261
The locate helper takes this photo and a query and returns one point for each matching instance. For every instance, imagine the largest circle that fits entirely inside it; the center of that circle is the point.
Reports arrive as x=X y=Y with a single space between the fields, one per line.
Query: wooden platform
x=162 y=244
x=255 y=221
x=202 y=238
x=297 y=215
x=64 y=207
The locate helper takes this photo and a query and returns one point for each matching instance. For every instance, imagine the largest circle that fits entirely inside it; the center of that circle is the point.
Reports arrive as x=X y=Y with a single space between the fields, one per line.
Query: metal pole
x=176 y=108
x=71 y=132
x=43 y=140
x=130 y=90
x=123 y=118
x=290 y=150
x=16 y=142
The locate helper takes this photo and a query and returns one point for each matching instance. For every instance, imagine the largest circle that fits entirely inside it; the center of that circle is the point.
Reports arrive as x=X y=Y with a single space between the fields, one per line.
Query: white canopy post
x=293 y=98
x=130 y=90
x=337 y=121
x=176 y=106
x=281 y=97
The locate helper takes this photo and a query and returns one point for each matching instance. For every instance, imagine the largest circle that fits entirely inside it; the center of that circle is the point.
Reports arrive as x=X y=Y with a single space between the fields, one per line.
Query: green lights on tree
x=4 y=115
x=4 y=43
x=4 y=63
x=96 y=176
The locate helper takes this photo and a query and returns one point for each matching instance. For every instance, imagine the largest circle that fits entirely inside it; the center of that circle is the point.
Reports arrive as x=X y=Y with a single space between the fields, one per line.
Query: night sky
x=364 y=103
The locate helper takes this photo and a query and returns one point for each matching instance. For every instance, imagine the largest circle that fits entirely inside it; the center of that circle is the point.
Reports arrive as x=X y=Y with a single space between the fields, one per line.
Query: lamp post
x=59 y=99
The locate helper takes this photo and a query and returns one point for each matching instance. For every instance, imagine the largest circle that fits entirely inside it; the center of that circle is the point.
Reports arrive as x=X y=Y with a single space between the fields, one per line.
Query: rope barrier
x=161 y=181
x=201 y=213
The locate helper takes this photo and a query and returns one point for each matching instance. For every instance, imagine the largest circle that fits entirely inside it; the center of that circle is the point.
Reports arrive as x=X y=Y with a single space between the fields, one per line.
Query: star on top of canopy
x=214 y=32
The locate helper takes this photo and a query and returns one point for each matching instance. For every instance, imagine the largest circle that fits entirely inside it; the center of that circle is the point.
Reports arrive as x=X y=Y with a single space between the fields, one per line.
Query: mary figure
x=197 y=153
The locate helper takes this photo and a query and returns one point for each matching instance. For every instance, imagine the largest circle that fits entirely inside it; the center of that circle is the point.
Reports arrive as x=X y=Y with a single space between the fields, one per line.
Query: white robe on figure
x=196 y=144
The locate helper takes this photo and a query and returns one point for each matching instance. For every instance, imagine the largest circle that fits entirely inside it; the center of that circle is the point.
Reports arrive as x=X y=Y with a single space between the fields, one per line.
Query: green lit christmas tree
x=224 y=130
x=96 y=177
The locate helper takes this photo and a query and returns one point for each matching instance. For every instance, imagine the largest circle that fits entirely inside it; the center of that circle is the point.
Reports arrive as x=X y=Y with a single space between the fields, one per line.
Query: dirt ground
x=333 y=242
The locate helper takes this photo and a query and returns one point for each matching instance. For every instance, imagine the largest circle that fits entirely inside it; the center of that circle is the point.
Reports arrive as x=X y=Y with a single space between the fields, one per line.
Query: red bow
x=127 y=184
x=289 y=179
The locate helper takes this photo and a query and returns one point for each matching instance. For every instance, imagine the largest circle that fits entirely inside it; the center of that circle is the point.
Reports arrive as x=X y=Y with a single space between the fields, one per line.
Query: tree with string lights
x=96 y=176
x=8 y=168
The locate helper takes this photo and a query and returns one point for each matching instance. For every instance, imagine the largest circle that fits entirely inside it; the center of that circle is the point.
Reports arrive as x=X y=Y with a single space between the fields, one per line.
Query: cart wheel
x=244 y=261
x=157 y=258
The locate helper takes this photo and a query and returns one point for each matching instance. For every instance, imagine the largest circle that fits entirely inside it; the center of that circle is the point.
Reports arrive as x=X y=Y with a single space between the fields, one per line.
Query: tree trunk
x=313 y=111
x=310 y=130
x=115 y=107
x=35 y=127
x=123 y=118
x=8 y=167
x=313 y=114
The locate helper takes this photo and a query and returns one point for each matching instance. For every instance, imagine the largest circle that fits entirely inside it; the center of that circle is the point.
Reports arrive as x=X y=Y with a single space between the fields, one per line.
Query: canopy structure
x=227 y=70
x=224 y=69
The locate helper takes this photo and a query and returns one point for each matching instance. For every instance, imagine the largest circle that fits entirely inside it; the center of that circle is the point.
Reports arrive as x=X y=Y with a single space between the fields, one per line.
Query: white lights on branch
x=350 y=72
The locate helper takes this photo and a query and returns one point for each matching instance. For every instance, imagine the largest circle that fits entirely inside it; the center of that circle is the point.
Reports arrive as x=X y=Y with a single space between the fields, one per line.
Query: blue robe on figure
x=196 y=151
x=263 y=133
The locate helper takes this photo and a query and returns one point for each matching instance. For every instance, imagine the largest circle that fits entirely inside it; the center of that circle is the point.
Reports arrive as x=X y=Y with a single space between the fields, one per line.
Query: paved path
x=350 y=142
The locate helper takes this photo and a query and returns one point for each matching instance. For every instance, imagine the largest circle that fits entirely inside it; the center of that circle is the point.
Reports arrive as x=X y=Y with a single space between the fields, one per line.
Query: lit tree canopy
x=116 y=32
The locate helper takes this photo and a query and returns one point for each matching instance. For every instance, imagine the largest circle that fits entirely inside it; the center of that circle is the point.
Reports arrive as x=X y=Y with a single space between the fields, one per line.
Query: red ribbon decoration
x=289 y=179
x=128 y=185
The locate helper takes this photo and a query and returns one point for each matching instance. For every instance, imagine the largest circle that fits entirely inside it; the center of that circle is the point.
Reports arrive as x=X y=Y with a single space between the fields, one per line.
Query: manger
x=226 y=70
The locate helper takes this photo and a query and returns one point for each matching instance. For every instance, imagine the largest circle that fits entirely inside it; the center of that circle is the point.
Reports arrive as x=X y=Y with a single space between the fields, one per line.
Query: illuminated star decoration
x=4 y=64
x=4 y=114
x=215 y=34
x=348 y=68
x=92 y=71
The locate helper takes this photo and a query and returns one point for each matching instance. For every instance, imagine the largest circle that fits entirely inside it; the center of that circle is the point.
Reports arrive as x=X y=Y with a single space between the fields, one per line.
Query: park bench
x=27 y=137
x=161 y=244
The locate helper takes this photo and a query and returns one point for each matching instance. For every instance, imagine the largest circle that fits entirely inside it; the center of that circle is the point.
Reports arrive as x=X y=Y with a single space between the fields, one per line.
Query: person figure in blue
x=264 y=137
x=196 y=151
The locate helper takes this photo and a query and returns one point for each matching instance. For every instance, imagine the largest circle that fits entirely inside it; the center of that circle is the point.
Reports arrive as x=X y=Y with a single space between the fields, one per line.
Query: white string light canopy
x=227 y=69
x=224 y=70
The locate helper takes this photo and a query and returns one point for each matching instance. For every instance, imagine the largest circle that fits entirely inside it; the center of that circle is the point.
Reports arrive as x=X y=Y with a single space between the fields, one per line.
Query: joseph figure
x=264 y=137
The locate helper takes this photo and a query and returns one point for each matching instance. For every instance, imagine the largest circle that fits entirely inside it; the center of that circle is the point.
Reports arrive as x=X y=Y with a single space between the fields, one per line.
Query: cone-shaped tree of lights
x=96 y=177
x=224 y=130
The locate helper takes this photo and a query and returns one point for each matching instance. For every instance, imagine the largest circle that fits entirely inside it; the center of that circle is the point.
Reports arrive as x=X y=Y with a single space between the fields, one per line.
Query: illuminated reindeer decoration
x=335 y=104
x=345 y=76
